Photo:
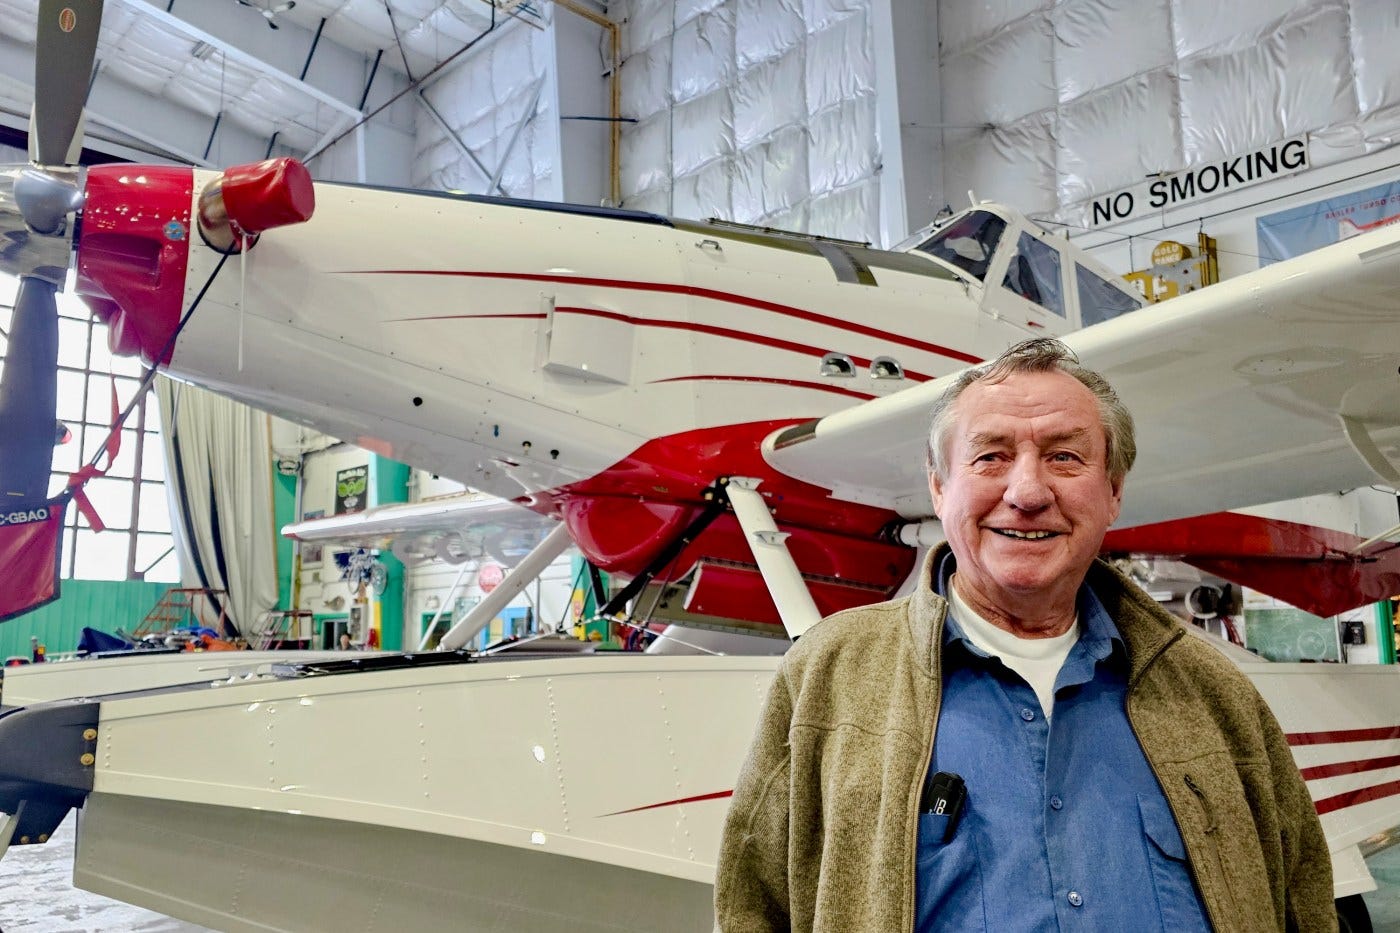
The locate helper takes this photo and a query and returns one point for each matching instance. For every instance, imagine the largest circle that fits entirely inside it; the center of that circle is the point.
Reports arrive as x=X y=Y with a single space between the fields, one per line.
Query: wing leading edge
x=455 y=530
x=1274 y=385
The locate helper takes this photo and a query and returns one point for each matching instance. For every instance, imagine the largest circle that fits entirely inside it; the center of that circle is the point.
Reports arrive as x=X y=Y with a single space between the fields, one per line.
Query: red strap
x=111 y=447
x=83 y=503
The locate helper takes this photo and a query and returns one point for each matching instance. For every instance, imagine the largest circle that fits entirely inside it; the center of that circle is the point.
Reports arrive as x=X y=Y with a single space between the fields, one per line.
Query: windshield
x=968 y=242
x=1101 y=300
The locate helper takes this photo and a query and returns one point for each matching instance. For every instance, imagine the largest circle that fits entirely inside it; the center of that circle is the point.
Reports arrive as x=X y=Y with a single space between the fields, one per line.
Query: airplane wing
x=455 y=530
x=1274 y=385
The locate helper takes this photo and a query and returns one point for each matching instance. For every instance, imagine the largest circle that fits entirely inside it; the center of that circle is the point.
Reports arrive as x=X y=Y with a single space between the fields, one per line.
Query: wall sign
x=1201 y=182
x=351 y=486
x=1301 y=229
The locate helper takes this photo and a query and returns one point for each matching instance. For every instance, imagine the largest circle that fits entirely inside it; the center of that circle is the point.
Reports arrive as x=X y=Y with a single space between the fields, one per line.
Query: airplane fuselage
x=601 y=366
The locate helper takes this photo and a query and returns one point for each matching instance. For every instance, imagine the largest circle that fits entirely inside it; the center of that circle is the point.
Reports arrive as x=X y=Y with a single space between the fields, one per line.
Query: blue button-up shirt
x=1065 y=827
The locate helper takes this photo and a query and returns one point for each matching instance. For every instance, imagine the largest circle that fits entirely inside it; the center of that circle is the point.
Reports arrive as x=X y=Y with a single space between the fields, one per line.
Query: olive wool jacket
x=821 y=832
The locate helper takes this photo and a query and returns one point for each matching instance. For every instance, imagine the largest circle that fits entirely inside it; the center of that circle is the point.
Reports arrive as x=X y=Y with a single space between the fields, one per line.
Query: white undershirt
x=1038 y=660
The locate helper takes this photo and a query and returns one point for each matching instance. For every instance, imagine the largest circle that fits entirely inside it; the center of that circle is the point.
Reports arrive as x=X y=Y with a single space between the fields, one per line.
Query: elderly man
x=1028 y=742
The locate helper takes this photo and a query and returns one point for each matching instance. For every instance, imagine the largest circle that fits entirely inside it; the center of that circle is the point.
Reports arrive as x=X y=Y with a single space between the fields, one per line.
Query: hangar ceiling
x=428 y=31
x=162 y=57
x=211 y=82
x=838 y=117
x=219 y=59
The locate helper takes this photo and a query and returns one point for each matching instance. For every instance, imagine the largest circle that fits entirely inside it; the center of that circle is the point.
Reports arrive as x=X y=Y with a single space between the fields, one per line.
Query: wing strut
x=530 y=566
x=446 y=601
x=769 y=545
x=714 y=508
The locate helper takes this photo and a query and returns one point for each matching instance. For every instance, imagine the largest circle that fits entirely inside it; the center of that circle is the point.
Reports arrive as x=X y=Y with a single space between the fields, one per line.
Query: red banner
x=30 y=535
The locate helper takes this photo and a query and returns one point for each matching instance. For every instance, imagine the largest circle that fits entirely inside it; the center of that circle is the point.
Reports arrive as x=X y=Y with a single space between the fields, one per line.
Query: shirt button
x=1056 y=803
x=1075 y=900
x=1027 y=715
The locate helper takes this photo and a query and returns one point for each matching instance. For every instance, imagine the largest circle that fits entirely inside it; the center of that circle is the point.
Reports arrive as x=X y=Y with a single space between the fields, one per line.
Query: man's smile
x=1025 y=535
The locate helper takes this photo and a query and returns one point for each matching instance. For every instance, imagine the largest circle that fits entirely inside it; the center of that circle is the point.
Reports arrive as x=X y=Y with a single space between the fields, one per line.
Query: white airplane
x=453 y=529
x=737 y=413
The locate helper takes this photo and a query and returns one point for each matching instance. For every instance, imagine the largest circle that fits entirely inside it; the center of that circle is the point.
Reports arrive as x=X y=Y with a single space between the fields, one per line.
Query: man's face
x=1027 y=498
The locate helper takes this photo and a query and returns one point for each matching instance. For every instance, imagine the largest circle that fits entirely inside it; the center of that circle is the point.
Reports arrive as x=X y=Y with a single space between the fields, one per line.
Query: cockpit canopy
x=1010 y=256
x=968 y=242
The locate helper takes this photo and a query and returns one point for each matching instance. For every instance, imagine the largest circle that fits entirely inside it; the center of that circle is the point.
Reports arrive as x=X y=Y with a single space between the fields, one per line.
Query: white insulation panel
x=760 y=111
x=499 y=104
x=1052 y=103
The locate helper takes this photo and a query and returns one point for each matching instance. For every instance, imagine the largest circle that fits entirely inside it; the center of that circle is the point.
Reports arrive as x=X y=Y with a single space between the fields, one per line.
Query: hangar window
x=130 y=499
x=1034 y=274
x=1101 y=300
x=969 y=242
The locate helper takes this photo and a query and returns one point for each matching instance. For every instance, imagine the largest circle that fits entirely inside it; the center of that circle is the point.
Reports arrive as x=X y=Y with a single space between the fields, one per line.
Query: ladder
x=188 y=608
x=281 y=628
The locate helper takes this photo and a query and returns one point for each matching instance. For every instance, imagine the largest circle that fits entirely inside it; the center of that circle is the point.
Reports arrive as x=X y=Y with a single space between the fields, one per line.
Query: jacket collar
x=1145 y=627
x=927 y=610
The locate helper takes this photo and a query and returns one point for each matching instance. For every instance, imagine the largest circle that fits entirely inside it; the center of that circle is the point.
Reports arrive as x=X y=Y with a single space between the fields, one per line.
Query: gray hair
x=1039 y=355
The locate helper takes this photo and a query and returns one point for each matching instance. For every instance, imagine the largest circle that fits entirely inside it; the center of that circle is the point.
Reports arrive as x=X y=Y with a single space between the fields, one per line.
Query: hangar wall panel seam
x=1056 y=102
x=767 y=112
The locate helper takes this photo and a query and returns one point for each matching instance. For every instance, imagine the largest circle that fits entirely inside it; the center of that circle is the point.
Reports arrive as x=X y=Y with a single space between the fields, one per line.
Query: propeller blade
x=65 y=48
x=29 y=394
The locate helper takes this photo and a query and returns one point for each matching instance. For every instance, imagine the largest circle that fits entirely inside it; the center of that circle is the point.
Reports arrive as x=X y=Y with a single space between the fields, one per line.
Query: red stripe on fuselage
x=1374 y=734
x=725 y=332
x=1352 y=798
x=1338 y=768
x=769 y=380
x=695 y=292
x=717 y=795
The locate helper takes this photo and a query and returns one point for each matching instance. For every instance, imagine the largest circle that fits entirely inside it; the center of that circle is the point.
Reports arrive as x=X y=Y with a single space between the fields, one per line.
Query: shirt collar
x=1099 y=635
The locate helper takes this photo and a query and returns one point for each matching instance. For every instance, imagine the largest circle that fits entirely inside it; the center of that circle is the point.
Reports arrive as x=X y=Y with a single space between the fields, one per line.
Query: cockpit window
x=1100 y=300
x=967 y=242
x=1034 y=274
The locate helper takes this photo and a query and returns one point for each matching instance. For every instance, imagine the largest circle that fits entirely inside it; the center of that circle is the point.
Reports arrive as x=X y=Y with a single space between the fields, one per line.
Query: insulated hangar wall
x=1083 y=114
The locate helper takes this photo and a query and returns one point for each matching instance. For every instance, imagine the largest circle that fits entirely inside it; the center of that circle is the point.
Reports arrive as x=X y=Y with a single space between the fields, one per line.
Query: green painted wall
x=583 y=587
x=102 y=604
x=388 y=483
x=284 y=504
x=1385 y=632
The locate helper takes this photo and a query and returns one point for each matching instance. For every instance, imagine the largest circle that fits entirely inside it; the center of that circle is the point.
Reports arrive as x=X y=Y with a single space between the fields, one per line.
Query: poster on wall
x=1303 y=229
x=351 y=486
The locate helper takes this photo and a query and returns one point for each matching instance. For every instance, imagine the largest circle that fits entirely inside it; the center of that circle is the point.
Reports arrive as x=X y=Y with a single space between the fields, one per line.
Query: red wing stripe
x=1352 y=798
x=769 y=380
x=717 y=795
x=694 y=291
x=1375 y=734
x=1317 y=772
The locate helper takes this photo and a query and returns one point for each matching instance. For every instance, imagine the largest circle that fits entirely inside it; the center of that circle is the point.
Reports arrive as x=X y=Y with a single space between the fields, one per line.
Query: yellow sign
x=1175 y=271
x=1169 y=252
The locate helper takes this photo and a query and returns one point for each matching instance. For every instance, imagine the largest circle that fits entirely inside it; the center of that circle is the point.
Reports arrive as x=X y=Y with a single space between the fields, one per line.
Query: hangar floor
x=37 y=895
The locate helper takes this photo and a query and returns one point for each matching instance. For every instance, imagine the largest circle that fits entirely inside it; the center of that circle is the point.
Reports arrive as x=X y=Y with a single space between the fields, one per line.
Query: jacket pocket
x=948 y=878
x=1178 y=904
